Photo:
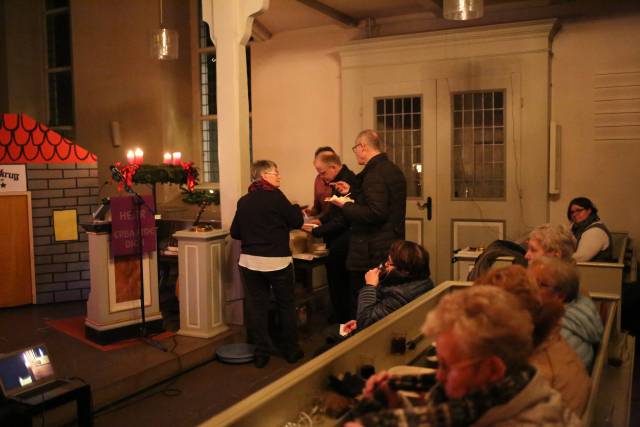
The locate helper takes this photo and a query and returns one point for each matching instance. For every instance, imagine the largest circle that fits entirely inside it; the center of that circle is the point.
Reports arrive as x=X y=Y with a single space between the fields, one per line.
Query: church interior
x=127 y=137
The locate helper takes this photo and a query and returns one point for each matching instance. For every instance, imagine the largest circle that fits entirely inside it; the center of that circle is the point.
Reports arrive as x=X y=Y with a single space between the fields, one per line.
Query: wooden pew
x=605 y=276
x=284 y=399
x=610 y=395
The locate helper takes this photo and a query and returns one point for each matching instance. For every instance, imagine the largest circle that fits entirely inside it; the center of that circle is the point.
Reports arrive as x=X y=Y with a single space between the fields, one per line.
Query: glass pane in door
x=398 y=120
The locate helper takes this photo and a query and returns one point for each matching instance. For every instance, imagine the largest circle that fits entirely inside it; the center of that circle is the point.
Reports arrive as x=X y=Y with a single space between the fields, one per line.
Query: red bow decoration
x=127 y=171
x=191 y=181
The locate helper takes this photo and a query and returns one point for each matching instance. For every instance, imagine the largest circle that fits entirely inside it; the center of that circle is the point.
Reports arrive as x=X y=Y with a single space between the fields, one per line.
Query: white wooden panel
x=413 y=230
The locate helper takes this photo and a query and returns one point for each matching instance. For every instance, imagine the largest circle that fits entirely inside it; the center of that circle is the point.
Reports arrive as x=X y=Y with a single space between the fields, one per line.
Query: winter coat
x=262 y=222
x=334 y=224
x=582 y=328
x=536 y=405
x=376 y=302
x=562 y=367
x=377 y=216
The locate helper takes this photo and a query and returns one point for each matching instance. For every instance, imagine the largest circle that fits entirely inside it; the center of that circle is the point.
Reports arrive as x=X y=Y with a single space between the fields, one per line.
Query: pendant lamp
x=164 y=42
x=462 y=10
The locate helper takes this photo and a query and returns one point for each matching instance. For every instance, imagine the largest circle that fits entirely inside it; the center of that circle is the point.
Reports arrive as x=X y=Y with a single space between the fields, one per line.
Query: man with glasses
x=377 y=215
x=334 y=228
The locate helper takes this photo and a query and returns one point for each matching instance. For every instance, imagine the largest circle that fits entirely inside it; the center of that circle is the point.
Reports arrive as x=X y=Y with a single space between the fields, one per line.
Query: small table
x=310 y=271
x=21 y=411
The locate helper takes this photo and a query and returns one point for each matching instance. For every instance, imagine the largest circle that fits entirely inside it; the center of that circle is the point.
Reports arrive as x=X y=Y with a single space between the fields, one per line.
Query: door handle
x=428 y=205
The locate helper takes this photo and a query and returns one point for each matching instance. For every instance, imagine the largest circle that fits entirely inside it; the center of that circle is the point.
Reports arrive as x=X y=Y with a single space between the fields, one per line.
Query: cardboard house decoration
x=45 y=264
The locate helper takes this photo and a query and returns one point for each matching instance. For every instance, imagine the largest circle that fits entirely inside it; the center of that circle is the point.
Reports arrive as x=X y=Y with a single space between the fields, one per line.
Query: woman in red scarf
x=262 y=223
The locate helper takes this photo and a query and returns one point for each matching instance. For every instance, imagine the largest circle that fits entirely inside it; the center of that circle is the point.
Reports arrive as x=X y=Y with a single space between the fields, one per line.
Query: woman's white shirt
x=592 y=241
x=264 y=263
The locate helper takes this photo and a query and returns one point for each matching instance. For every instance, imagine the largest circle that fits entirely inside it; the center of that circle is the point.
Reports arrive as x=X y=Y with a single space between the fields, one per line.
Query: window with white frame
x=399 y=124
x=58 y=66
x=208 y=114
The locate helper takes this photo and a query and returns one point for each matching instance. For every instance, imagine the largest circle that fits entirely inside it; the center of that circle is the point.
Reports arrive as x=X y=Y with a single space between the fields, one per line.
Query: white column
x=231 y=22
x=201 y=257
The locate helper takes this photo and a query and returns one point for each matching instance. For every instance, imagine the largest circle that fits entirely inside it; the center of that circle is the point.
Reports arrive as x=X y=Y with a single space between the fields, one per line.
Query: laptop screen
x=25 y=368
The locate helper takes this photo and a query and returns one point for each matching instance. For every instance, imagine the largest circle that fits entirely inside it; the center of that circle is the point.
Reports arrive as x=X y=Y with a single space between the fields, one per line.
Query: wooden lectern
x=113 y=307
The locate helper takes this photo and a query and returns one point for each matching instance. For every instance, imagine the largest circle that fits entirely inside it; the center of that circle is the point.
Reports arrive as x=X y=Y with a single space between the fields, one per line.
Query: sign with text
x=13 y=178
x=124 y=226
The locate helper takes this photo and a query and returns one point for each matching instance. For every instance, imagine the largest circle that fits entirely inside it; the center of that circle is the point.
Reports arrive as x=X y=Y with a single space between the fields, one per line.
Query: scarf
x=261 y=184
x=580 y=227
x=440 y=411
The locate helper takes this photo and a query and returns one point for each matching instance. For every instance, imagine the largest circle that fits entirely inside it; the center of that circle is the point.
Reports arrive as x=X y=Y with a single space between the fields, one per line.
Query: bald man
x=377 y=215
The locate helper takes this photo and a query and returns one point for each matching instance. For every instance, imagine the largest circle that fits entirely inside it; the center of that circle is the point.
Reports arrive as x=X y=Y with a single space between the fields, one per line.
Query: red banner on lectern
x=124 y=226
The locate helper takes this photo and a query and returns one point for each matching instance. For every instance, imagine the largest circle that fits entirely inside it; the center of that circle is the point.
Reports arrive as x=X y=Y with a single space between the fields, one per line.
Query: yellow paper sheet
x=65 y=225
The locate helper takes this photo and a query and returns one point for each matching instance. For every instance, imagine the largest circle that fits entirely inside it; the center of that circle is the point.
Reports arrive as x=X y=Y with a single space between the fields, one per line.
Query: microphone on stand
x=116 y=174
x=119 y=176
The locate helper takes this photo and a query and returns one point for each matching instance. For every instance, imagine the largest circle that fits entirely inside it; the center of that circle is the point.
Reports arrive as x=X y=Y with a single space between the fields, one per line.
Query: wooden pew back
x=283 y=400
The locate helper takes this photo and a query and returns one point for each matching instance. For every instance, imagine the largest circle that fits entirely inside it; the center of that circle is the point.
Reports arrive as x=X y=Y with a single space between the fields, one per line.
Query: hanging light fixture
x=462 y=10
x=164 y=42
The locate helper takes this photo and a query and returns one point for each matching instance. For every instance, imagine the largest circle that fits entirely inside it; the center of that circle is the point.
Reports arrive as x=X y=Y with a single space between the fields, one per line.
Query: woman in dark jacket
x=262 y=223
x=400 y=280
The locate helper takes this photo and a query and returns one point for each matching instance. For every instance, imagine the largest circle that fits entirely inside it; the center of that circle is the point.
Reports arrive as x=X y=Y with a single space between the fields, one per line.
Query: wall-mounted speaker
x=115 y=133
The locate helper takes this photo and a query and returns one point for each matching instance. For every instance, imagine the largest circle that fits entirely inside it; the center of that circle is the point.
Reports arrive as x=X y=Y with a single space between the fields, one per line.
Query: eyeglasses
x=576 y=211
x=276 y=173
x=355 y=146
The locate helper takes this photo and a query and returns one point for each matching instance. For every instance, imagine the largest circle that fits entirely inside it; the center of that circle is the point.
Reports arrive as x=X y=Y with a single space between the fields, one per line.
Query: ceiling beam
x=330 y=12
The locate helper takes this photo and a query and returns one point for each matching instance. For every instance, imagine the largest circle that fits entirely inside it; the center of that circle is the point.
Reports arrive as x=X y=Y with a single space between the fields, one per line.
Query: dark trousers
x=356 y=282
x=258 y=286
x=338 y=278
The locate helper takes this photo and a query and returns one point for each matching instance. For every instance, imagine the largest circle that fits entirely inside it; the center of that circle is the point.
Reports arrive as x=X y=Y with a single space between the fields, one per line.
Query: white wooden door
x=408 y=130
x=478 y=186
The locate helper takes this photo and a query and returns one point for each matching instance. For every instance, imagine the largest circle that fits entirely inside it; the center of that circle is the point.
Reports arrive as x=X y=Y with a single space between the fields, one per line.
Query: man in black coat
x=377 y=215
x=334 y=228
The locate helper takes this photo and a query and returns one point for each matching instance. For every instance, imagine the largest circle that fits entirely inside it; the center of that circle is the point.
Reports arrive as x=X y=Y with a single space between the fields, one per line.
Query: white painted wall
x=606 y=172
x=295 y=85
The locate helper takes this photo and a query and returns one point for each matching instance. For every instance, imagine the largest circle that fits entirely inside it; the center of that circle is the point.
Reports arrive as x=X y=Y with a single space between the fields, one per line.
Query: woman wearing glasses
x=262 y=223
x=594 y=239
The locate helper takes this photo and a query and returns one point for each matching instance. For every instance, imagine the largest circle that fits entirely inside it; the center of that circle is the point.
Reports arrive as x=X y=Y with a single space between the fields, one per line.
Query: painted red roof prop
x=24 y=140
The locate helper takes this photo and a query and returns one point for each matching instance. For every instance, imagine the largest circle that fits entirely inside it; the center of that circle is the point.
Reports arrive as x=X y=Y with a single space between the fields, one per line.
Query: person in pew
x=483 y=340
x=333 y=227
x=552 y=356
x=401 y=279
x=581 y=325
x=550 y=240
x=593 y=237
x=557 y=242
x=262 y=223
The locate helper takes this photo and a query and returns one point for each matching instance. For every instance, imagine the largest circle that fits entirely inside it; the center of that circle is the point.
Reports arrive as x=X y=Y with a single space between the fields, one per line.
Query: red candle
x=167 y=160
x=138 y=156
x=130 y=156
x=177 y=157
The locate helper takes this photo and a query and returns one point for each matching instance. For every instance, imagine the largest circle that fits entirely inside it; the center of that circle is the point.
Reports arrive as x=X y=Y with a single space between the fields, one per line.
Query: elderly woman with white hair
x=581 y=325
x=483 y=340
x=550 y=240
x=262 y=223
x=552 y=356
